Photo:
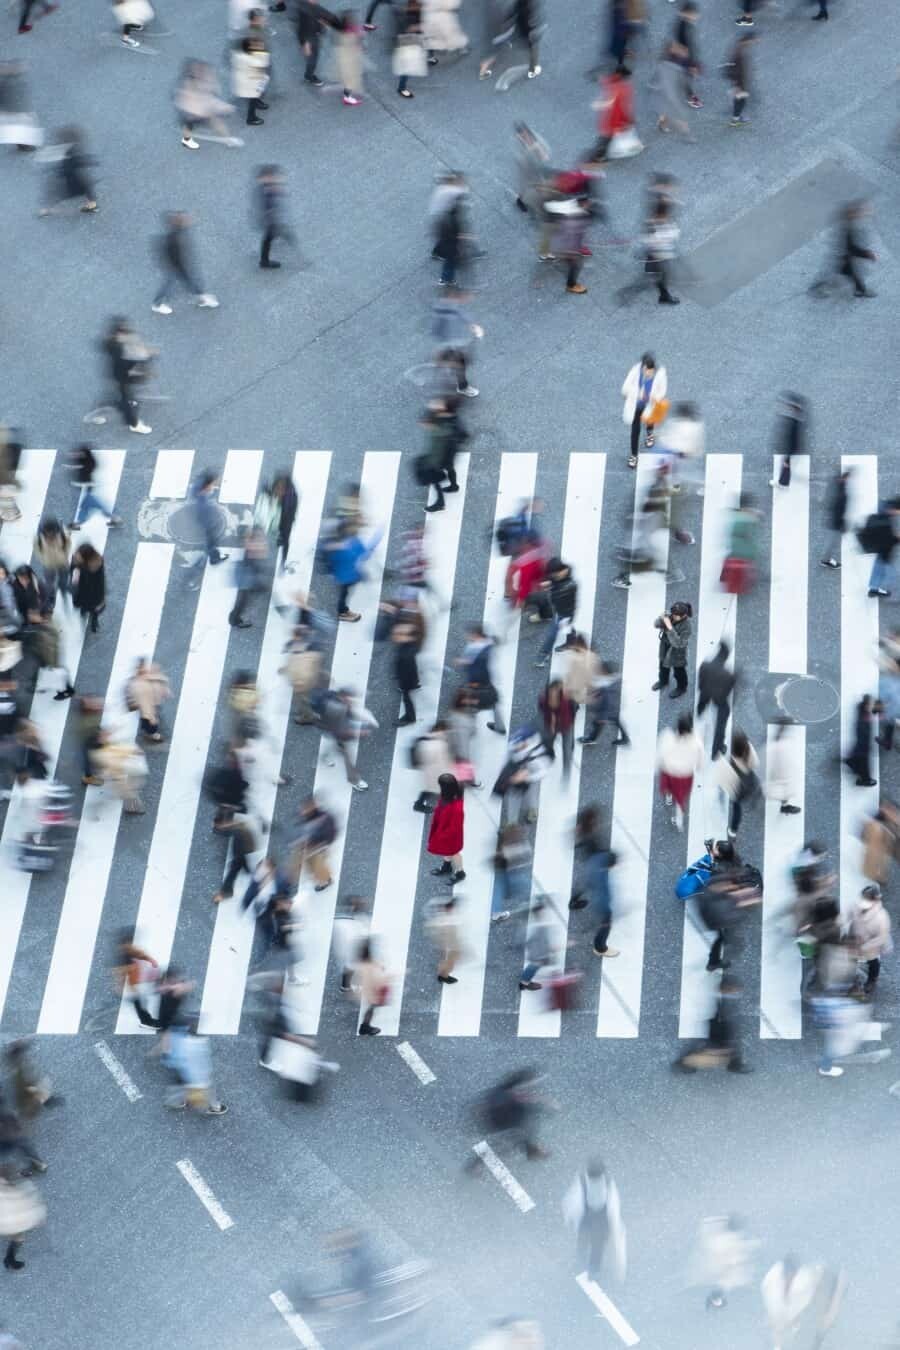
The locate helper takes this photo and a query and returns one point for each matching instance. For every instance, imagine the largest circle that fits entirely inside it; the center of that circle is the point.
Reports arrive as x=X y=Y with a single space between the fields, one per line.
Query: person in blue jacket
x=346 y=558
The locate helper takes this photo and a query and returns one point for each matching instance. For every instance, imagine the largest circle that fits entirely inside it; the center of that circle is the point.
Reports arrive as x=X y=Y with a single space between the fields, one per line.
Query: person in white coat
x=592 y=1208
x=441 y=27
x=798 y=1299
x=644 y=392
x=723 y=1259
x=250 y=76
x=679 y=755
x=683 y=441
x=132 y=16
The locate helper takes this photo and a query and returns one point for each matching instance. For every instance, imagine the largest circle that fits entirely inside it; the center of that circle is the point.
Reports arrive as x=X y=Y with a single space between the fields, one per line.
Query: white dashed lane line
x=293 y=1320
x=128 y=1086
x=607 y=1309
x=209 y=1202
x=501 y=1173
x=415 y=1062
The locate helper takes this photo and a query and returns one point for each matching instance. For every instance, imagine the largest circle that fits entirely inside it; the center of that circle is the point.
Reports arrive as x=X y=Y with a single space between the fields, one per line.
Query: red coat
x=525 y=573
x=445 y=837
x=619 y=115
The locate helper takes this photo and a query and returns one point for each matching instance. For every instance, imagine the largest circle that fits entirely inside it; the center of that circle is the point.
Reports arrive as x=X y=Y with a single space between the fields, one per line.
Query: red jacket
x=619 y=114
x=445 y=837
x=525 y=573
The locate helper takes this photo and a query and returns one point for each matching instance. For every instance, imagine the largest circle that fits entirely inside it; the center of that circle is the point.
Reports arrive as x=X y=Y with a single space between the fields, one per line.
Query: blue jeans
x=529 y=972
x=553 y=628
x=511 y=889
x=882 y=577
x=88 y=503
x=448 y=271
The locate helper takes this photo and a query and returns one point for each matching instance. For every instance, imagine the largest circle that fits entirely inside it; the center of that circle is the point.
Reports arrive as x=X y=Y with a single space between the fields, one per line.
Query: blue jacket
x=346 y=561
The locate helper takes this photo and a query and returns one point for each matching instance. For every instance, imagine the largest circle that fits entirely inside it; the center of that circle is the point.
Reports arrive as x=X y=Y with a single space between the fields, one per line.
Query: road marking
x=415 y=1062
x=209 y=1202
x=128 y=1086
x=294 y=1321
x=605 y=1306
x=172 y=475
x=500 y=1172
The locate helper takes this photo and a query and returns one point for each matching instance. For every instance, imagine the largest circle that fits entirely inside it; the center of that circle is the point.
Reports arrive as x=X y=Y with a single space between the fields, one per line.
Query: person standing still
x=644 y=391
x=174 y=251
x=445 y=834
x=674 y=634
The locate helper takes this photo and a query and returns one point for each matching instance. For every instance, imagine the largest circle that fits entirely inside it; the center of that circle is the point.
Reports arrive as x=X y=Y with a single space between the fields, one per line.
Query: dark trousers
x=370 y=12
x=175 y=274
x=368 y=1015
x=128 y=405
x=312 y=56
x=238 y=864
x=723 y=711
x=575 y=265
x=636 y=425
x=735 y=815
x=409 y=708
x=848 y=270
x=662 y=276
x=403 y=80
x=594 y=727
x=739 y=99
x=253 y=106
x=343 y=597
x=873 y=970
x=680 y=673
x=568 y=740
x=240 y=604
x=147 y=728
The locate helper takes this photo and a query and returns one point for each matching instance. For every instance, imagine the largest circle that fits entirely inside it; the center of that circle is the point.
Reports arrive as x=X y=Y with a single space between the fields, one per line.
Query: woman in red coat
x=445 y=837
x=616 y=110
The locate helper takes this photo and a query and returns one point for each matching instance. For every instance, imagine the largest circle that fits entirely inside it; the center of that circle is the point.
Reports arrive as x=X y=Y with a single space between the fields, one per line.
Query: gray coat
x=673 y=643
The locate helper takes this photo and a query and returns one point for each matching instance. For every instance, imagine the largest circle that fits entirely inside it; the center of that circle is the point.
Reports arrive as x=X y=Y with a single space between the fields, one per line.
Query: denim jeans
x=882 y=577
x=88 y=503
x=529 y=971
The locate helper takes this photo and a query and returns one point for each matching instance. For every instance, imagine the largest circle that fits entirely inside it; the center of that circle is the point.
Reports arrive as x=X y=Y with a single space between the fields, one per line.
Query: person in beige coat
x=443 y=929
x=349 y=57
x=145 y=694
x=250 y=63
x=372 y=985
x=53 y=548
x=880 y=835
x=870 y=932
x=434 y=757
x=303 y=668
x=441 y=26
x=582 y=670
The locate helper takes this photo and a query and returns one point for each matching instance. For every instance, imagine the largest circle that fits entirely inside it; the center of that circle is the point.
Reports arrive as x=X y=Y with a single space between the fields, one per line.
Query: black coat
x=89 y=592
x=715 y=681
x=789 y=435
x=406 y=670
x=564 y=596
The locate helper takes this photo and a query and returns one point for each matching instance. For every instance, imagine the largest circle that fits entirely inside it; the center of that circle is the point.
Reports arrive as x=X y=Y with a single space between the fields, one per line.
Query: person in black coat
x=285 y=494
x=174 y=248
x=88 y=584
x=860 y=756
x=270 y=198
x=451 y=228
x=71 y=177
x=563 y=589
x=790 y=434
x=838 y=499
x=312 y=20
x=879 y=536
x=128 y=359
x=405 y=642
x=685 y=36
x=851 y=247
x=30 y=594
x=715 y=685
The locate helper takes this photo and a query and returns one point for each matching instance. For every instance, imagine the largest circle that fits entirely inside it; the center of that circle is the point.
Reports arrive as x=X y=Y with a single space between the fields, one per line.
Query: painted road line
x=172 y=475
x=553 y=842
x=416 y=1063
x=294 y=1321
x=401 y=840
x=203 y=1193
x=170 y=847
x=51 y=716
x=125 y=1082
x=350 y=663
x=607 y=1309
x=621 y=980
x=780 y=1013
x=232 y=940
x=460 y=1013
x=715 y=619
x=240 y=478
x=17 y=536
x=95 y=842
x=501 y=1173
x=859 y=669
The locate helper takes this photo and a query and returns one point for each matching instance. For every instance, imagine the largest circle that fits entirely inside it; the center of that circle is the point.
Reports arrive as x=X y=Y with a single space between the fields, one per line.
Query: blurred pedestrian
x=852 y=249
x=88 y=584
x=372 y=985
x=558 y=711
x=145 y=694
x=715 y=685
x=724 y=1258
x=138 y=975
x=870 y=933
x=128 y=360
x=782 y=763
x=10 y=458
x=443 y=929
x=644 y=392
x=679 y=756
x=348 y=55
x=198 y=102
x=670 y=76
x=441 y=27
x=571 y=216
x=593 y=1209
x=25 y=13
x=737 y=71
x=174 y=250
x=859 y=758
x=722 y=1047
x=445 y=833
x=243 y=845
x=475 y=665
x=511 y=1108
x=686 y=37
x=349 y=931
x=83 y=463
x=52 y=547
x=838 y=501
x=132 y=16
x=738 y=576
x=190 y=1059
x=347 y=555
x=207 y=516
x=617 y=137
x=789 y=1293
x=71 y=177
x=790 y=434
x=250 y=62
x=317 y=831
x=343 y=721
x=604 y=706
x=737 y=775
x=21 y=1207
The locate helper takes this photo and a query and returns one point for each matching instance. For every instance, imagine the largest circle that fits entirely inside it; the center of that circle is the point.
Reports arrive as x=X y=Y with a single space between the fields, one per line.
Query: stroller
x=47 y=816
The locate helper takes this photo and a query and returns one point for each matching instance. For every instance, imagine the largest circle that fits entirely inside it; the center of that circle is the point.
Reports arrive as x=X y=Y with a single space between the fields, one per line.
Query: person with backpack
x=879 y=537
x=445 y=834
x=738 y=779
x=475 y=664
x=731 y=890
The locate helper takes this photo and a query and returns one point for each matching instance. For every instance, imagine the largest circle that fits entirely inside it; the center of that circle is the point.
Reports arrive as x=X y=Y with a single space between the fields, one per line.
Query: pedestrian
x=313 y=21
x=243 y=844
x=604 y=706
x=443 y=929
x=352 y=922
x=737 y=775
x=715 y=685
x=674 y=634
x=138 y=975
x=722 y=1047
x=207 y=515
x=879 y=537
x=52 y=548
x=859 y=759
x=45 y=644
x=432 y=466
x=21 y=1207
x=286 y=500
x=475 y=664
x=146 y=691
x=372 y=985
x=30 y=1092
x=455 y=331
x=670 y=78
x=684 y=439
x=348 y=56
x=512 y=1107
x=128 y=362
x=781 y=768
x=737 y=71
x=598 y=861
x=571 y=216
x=174 y=250
x=724 y=1258
x=250 y=575
x=679 y=755
x=851 y=250
x=406 y=643
x=517 y=783
x=71 y=176
x=889 y=686
x=541 y=946
x=132 y=16
x=558 y=711
x=685 y=35
x=30 y=594
x=562 y=592
x=788 y=1292
x=25 y=13
x=644 y=392
x=617 y=137
x=582 y=670
x=448 y=211
x=881 y=841
x=344 y=723
x=31 y=757
x=174 y=991
x=790 y=434
x=723 y=904
x=190 y=1060
x=441 y=27
x=198 y=102
x=838 y=501
x=88 y=584
x=90 y=710
x=117 y=761
x=316 y=833
x=593 y=1210
x=462 y=728
x=512 y=873
x=347 y=555
x=532 y=170
x=10 y=457
x=250 y=62
x=527 y=30
x=303 y=668
x=738 y=575
x=870 y=933
x=83 y=463
x=445 y=833
x=523 y=586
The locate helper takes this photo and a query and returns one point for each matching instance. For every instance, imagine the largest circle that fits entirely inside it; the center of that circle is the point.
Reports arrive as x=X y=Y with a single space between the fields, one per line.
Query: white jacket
x=630 y=390
x=684 y=436
x=679 y=756
x=249 y=73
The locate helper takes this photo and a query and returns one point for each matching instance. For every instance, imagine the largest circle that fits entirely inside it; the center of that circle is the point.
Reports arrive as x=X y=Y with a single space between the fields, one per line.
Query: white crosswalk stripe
x=403 y=887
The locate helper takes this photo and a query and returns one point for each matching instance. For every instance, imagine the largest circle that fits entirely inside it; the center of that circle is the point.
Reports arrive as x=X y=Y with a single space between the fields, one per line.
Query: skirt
x=678 y=788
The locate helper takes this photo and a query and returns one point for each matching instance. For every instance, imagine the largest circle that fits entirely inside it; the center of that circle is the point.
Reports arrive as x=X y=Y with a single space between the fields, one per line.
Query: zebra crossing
x=163 y=900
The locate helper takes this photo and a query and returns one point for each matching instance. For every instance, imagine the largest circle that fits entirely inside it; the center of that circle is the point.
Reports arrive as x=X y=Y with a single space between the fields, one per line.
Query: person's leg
x=143 y=1016
x=448 y=271
x=165 y=287
x=128 y=406
x=226 y=890
x=312 y=56
x=877 y=579
x=343 y=596
x=549 y=640
x=735 y=812
x=681 y=679
x=402 y=83
x=663 y=678
x=370 y=12
x=716 y=952
x=636 y=430
x=236 y=617
x=318 y=865
x=438 y=503
x=873 y=969
x=409 y=708
x=568 y=739
x=529 y=970
x=27 y=6
x=722 y=714
x=349 y=766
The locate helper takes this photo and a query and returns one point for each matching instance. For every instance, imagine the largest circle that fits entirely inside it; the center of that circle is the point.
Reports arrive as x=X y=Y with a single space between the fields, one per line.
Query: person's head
x=686 y=410
x=648 y=363
x=723 y=849
x=474 y=632
x=740 y=746
x=177 y=220
x=685 y=724
x=689 y=11
x=89 y=557
x=858 y=209
x=680 y=611
x=49 y=527
x=207 y=481
x=449 y=788
x=24 y=574
x=596 y=1169
x=870 y=897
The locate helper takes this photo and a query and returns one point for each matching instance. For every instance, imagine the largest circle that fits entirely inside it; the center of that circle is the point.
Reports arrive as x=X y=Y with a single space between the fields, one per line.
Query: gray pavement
x=314 y=357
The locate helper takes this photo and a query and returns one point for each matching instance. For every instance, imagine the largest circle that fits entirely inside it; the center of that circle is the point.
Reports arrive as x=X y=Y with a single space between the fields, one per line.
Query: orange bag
x=657 y=413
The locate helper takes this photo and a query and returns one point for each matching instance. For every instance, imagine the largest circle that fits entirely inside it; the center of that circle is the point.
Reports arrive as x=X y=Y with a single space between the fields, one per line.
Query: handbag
x=624 y=144
x=737 y=576
x=657 y=413
x=409 y=59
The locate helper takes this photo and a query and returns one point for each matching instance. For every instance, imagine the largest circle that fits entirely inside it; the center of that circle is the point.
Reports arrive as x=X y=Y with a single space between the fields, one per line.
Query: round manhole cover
x=805 y=698
x=185 y=528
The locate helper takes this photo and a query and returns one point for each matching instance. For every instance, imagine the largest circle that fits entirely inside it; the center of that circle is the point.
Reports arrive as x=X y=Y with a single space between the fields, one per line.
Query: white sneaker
x=189 y=143
x=129 y=41
x=233 y=142
x=469 y=392
x=532 y=74
x=141 y=429
x=207 y=302
x=162 y=308
x=834 y=1072
x=360 y=785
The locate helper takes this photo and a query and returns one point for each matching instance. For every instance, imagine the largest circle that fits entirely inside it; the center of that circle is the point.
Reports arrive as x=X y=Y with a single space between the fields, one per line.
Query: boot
x=11 y=1259
x=442 y=871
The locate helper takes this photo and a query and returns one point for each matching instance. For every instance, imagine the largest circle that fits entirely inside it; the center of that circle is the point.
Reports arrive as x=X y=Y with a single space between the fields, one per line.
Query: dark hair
x=649 y=360
x=451 y=791
x=685 y=724
x=740 y=746
x=725 y=850
x=681 y=609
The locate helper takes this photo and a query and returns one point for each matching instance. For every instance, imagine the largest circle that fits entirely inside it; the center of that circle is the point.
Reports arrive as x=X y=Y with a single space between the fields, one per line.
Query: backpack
x=870 y=536
x=695 y=878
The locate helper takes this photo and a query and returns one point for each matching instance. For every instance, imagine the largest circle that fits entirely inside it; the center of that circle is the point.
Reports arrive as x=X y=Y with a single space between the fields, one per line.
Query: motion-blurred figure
x=838 y=501
x=18 y=124
x=737 y=69
x=593 y=1210
x=790 y=434
x=21 y=1207
x=190 y=1060
x=512 y=1333
x=174 y=249
x=25 y=13
x=198 y=103
x=715 y=685
x=10 y=457
x=724 y=1257
x=851 y=249
x=70 y=178
x=511 y=1108
x=801 y=1301
x=129 y=360
x=722 y=1047
x=132 y=16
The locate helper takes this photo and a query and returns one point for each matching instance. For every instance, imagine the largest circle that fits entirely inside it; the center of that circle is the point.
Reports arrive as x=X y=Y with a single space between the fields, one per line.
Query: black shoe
x=314 y=81
x=273 y=265
x=370 y=1031
x=740 y=1067
x=676 y=692
x=658 y=684
x=864 y=294
x=578 y=902
x=279 y=8
x=492 y=726
x=457 y=877
x=667 y=299
x=530 y=984
x=64 y=693
x=240 y=623
x=264 y=106
x=521 y=205
x=405 y=722
x=790 y=810
x=443 y=871
x=448 y=979
x=255 y=121
x=438 y=506
x=11 y=1260
x=454 y=487
x=587 y=740
x=218 y=558
x=866 y=782
x=712 y=967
